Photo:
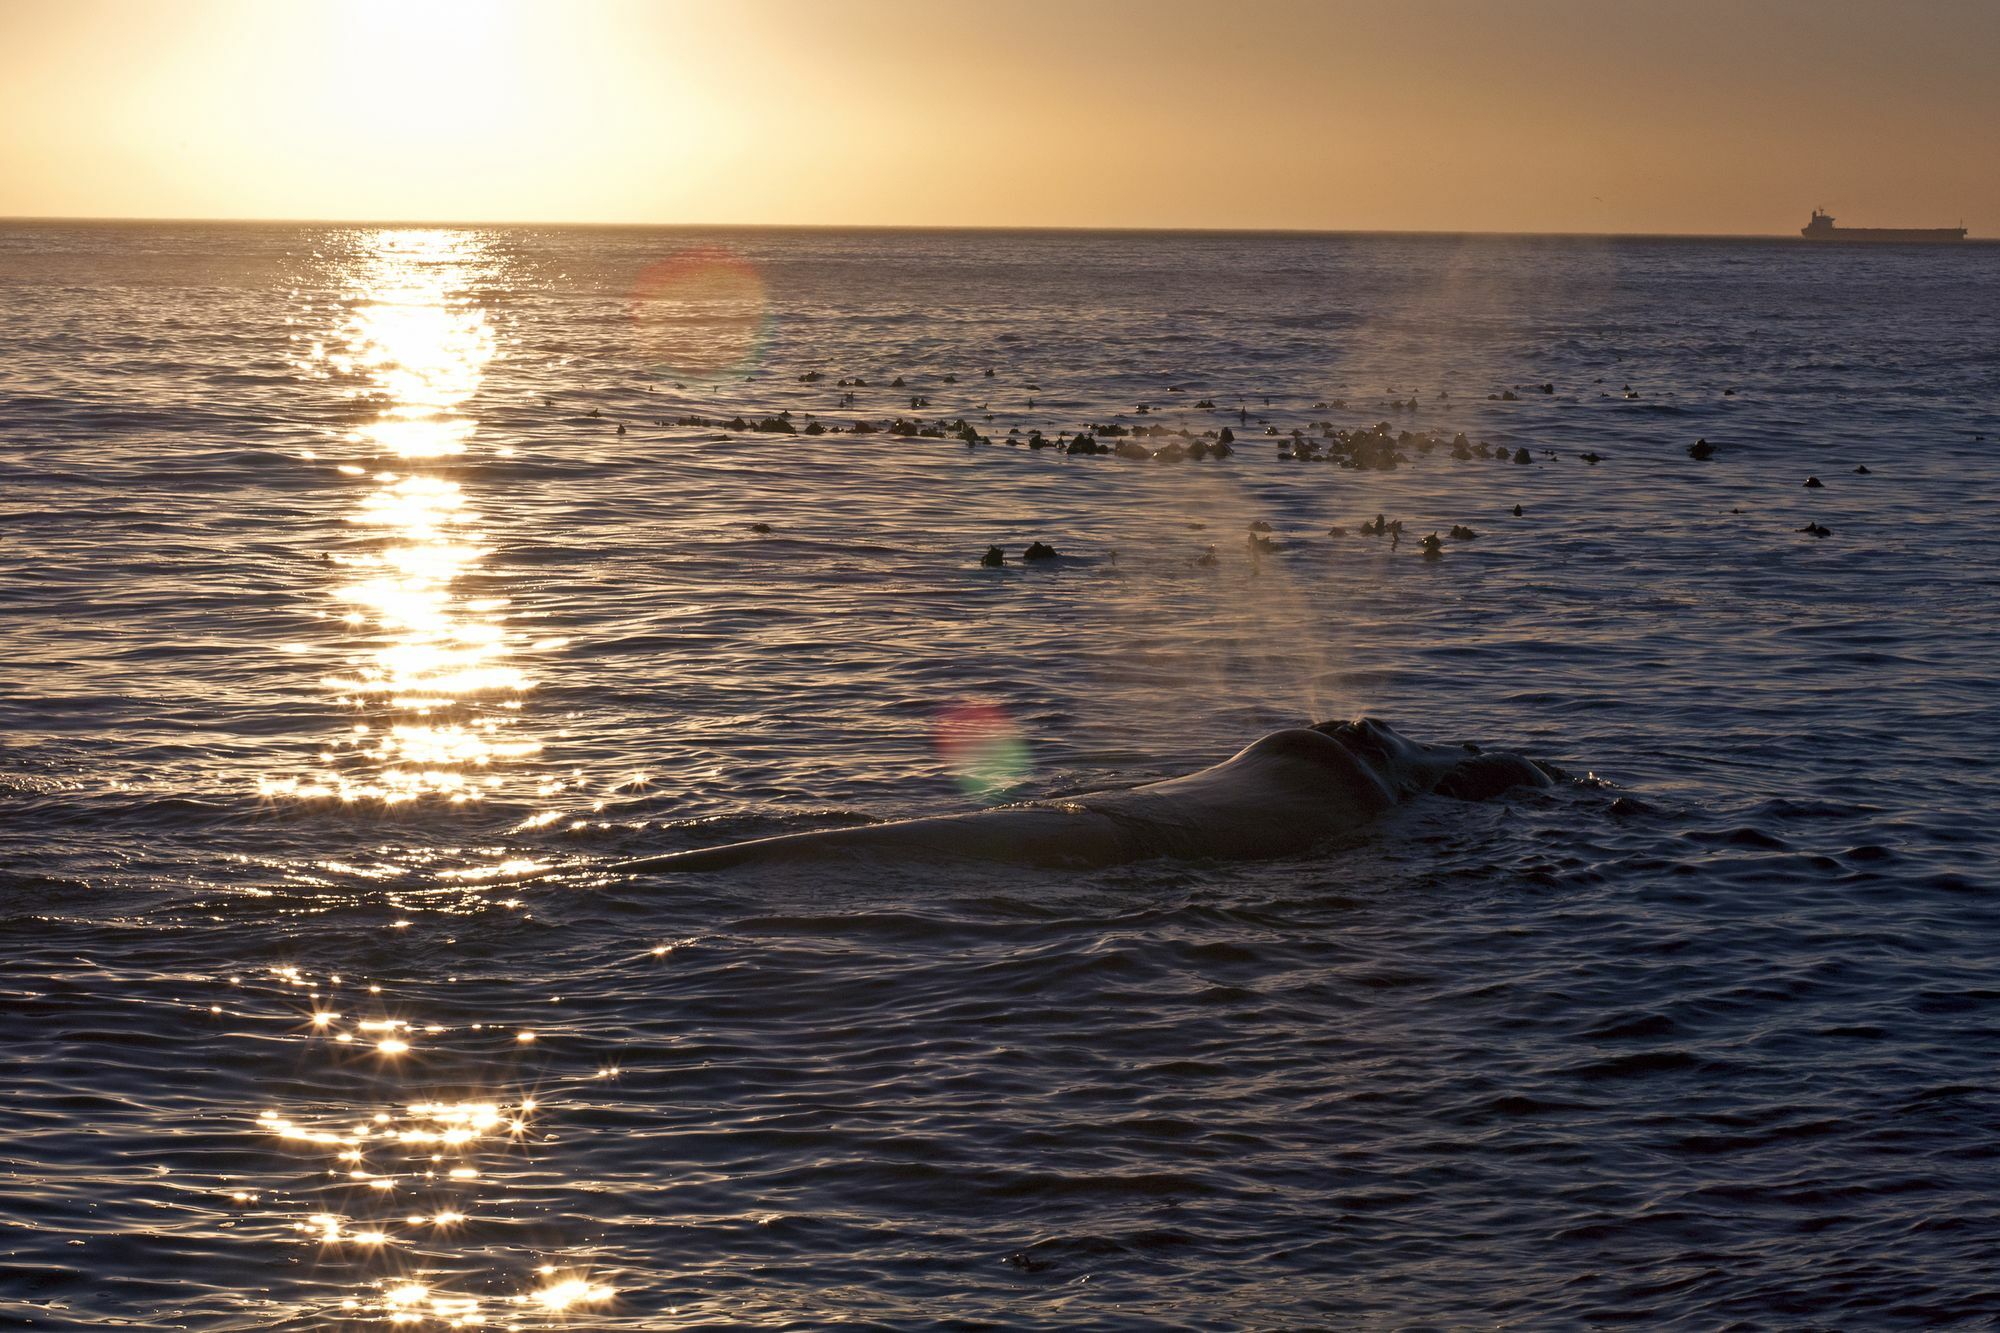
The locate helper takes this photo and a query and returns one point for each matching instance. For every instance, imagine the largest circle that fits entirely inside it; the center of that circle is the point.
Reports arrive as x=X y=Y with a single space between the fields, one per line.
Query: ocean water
x=350 y=574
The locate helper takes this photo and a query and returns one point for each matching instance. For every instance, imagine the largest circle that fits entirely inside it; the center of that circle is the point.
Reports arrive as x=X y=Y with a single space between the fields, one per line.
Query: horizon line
x=12 y=219
x=1055 y=228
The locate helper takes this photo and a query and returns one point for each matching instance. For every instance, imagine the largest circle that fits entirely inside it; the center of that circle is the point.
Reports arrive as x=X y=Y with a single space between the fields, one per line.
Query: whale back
x=1282 y=794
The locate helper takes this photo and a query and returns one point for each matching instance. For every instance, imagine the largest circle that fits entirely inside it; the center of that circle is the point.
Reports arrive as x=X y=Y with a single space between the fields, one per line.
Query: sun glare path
x=428 y=676
x=391 y=1187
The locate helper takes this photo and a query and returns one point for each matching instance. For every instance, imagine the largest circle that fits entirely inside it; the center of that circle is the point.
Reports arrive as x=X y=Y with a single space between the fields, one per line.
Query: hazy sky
x=1534 y=115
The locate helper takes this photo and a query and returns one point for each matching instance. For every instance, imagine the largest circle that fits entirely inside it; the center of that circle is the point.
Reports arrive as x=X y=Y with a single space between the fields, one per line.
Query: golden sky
x=1481 y=115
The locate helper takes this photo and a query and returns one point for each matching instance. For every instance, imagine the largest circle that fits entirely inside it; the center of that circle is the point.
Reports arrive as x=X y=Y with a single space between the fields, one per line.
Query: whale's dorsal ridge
x=1305 y=742
x=1284 y=793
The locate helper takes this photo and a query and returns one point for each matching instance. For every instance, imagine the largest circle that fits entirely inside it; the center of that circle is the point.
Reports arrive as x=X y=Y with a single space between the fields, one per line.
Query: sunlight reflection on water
x=425 y=666
x=426 y=669
x=393 y=1191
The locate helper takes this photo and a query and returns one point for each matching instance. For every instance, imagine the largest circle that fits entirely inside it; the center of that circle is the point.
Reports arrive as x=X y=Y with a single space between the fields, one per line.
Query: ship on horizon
x=1821 y=228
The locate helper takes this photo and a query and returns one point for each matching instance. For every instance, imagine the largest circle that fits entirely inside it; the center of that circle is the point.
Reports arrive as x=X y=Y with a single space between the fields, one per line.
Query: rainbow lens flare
x=983 y=748
x=702 y=314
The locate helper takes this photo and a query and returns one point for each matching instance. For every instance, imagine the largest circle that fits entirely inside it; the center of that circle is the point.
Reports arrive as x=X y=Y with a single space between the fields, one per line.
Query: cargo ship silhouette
x=1821 y=228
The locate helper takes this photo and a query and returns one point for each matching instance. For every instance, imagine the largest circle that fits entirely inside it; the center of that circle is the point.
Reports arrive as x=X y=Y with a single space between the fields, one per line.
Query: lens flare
x=983 y=748
x=702 y=314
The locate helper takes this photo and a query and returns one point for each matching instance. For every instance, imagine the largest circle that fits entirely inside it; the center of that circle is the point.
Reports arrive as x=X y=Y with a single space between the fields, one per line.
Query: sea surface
x=352 y=576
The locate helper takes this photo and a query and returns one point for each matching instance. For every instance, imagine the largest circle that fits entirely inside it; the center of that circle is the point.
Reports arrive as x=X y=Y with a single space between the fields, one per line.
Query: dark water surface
x=331 y=598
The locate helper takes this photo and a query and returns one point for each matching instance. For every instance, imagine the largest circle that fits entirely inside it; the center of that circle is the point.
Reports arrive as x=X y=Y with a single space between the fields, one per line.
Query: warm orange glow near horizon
x=1541 y=115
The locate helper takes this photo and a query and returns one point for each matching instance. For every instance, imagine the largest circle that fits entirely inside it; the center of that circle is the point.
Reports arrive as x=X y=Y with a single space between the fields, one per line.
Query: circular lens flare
x=701 y=314
x=983 y=748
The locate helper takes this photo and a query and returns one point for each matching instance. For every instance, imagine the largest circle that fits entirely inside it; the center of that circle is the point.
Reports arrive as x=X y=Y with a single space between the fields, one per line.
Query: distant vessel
x=1821 y=228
